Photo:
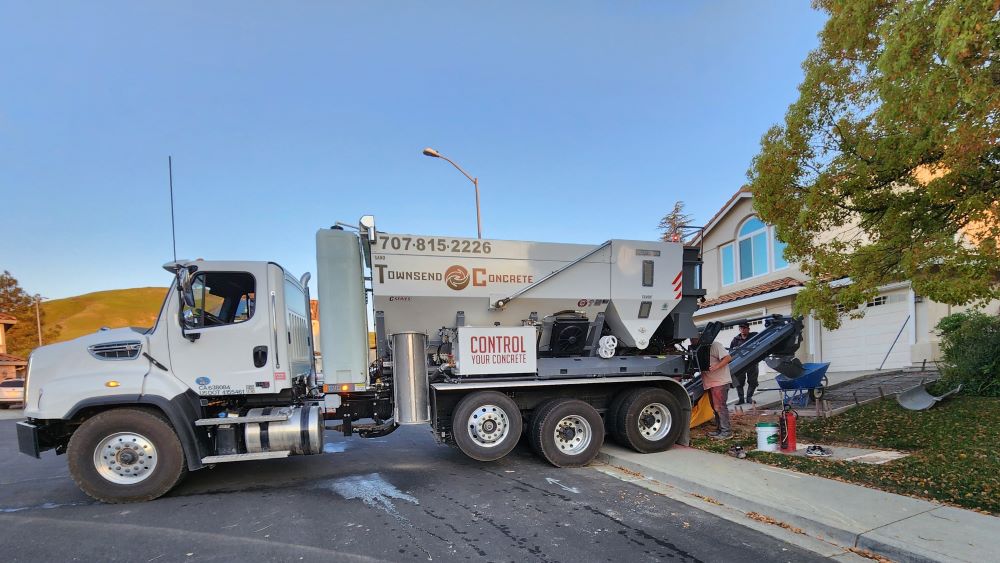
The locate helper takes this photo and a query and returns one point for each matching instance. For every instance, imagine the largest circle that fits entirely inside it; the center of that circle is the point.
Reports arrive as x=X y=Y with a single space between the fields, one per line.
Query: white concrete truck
x=483 y=340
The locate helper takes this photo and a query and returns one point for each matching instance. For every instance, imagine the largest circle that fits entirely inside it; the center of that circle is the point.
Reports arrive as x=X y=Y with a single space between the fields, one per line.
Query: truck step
x=244 y=457
x=279 y=415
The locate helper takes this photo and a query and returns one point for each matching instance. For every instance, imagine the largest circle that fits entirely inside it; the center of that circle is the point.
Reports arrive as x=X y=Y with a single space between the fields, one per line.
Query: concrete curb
x=902 y=539
x=809 y=526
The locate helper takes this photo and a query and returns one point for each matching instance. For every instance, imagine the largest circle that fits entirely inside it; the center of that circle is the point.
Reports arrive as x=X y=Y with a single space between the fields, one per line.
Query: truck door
x=222 y=345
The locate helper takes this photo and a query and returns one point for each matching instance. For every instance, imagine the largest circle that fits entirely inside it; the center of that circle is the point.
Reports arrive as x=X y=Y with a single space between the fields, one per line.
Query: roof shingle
x=776 y=285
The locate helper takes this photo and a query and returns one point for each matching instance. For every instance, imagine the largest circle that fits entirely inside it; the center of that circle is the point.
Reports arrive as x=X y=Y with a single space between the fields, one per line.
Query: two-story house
x=745 y=275
x=9 y=365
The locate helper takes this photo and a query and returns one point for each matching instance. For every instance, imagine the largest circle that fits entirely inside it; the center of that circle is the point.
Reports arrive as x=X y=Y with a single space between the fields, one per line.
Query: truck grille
x=125 y=350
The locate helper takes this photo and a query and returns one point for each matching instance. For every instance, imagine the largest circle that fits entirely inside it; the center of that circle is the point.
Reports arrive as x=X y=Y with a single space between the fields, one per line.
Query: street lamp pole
x=38 y=317
x=475 y=182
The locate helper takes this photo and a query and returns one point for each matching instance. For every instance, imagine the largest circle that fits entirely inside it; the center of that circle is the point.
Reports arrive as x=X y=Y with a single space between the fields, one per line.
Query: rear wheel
x=649 y=420
x=533 y=431
x=126 y=455
x=486 y=425
x=567 y=432
x=612 y=414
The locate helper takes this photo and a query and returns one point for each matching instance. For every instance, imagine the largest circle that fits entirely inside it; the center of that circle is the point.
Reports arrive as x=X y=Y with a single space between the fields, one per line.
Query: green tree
x=887 y=167
x=672 y=224
x=22 y=338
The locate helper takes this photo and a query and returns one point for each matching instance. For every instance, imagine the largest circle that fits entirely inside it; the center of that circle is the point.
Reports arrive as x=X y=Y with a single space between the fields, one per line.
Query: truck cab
x=213 y=351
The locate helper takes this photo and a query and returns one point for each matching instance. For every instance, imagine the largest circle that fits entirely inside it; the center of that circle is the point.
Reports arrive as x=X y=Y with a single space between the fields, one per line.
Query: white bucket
x=767 y=437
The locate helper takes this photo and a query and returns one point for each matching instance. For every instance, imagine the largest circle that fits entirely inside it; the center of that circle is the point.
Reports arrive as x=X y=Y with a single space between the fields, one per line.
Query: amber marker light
x=111 y=383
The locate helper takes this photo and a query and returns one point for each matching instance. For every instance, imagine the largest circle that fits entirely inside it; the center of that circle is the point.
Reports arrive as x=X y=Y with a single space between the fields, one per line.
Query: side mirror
x=185 y=278
x=188 y=295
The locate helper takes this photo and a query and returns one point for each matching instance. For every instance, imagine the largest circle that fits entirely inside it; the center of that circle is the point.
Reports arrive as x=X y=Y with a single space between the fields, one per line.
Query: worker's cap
x=744 y=324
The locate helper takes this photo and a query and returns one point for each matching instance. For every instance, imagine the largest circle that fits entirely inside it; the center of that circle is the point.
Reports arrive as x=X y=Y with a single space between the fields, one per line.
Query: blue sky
x=583 y=120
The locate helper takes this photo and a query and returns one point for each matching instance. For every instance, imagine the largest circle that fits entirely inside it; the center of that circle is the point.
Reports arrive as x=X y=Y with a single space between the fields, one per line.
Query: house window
x=756 y=251
x=880 y=300
x=728 y=265
x=779 y=251
x=752 y=244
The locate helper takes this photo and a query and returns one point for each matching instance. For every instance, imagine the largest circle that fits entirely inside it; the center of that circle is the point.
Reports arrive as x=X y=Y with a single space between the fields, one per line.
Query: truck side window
x=220 y=298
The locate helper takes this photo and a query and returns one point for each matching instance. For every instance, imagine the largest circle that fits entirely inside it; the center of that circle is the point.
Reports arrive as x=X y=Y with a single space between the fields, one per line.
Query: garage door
x=861 y=344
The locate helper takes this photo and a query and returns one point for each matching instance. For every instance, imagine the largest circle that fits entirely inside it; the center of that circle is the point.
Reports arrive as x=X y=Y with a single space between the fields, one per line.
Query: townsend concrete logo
x=456 y=277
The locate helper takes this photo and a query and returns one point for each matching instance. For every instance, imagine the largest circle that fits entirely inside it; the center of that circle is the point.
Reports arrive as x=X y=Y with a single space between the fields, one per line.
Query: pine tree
x=673 y=224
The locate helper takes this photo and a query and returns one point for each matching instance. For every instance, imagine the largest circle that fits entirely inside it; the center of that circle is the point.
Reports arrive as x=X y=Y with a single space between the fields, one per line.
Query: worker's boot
x=739 y=393
x=750 y=391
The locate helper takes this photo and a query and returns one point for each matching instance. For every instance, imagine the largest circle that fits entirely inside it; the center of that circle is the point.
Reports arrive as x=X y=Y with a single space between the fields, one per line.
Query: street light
x=38 y=317
x=475 y=182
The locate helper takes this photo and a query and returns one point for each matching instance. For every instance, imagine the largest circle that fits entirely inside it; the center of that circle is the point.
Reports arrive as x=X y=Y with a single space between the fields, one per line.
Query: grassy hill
x=116 y=308
x=83 y=314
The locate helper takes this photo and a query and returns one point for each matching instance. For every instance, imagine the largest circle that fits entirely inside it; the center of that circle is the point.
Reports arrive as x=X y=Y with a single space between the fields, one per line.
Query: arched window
x=755 y=252
x=751 y=248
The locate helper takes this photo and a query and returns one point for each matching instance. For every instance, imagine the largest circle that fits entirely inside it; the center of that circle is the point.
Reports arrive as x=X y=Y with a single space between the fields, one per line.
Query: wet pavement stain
x=372 y=490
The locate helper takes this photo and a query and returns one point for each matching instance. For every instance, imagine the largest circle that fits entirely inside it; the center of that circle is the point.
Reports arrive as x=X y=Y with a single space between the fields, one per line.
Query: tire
x=817 y=393
x=569 y=432
x=649 y=420
x=611 y=416
x=486 y=425
x=533 y=431
x=4 y=406
x=142 y=433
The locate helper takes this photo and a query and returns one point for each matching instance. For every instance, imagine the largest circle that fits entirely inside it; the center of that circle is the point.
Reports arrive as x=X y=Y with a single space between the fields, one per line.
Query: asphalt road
x=398 y=498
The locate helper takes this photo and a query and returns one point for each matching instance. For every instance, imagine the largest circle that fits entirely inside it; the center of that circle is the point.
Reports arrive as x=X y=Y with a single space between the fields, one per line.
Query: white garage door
x=862 y=344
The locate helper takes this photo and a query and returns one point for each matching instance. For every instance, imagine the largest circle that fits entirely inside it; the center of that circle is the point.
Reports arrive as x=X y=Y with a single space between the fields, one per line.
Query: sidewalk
x=899 y=527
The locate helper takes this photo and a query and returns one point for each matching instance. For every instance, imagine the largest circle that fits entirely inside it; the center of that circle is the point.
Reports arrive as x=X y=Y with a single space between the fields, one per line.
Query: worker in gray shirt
x=749 y=374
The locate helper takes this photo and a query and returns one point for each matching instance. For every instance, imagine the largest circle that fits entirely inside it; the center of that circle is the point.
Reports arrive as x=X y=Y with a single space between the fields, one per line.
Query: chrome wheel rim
x=573 y=435
x=125 y=458
x=488 y=425
x=654 y=421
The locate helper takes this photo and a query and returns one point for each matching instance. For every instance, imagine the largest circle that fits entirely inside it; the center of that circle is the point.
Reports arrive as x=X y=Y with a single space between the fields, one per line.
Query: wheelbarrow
x=798 y=391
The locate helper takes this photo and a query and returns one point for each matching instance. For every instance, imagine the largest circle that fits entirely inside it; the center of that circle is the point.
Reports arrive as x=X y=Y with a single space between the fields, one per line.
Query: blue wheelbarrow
x=811 y=385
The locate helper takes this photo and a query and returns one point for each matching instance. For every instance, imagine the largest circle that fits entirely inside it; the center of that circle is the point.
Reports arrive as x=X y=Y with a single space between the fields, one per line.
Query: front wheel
x=126 y=455
x=817 y=393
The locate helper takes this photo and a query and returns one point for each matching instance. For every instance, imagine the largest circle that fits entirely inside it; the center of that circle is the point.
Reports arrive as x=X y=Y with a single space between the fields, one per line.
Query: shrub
x=970 y=344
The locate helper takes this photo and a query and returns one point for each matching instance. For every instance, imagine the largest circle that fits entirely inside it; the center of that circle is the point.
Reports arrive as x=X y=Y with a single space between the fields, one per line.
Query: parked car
x=11 y=393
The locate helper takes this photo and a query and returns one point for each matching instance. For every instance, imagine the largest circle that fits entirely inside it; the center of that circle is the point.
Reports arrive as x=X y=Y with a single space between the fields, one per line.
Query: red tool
x=786 y=429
